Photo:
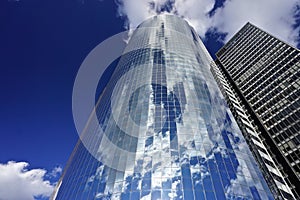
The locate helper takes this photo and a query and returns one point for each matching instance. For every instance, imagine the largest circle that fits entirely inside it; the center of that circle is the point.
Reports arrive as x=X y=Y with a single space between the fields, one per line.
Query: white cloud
x=196 y=13
x=56 y=171
x=275 y=16
x=137 y=11
x=17 y=182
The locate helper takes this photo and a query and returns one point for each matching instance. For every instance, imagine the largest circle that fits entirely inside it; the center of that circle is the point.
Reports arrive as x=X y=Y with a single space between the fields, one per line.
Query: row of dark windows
x=284 y=112
x=289 y=107
x=258 y=42
x=273 y=71
x=239 y=56
x=297 y=168
x=273 y=83
x=232 y=59
x=295 y=155
x=290 y=119
x=255 y=57
x=266 y=101
x=263 y=60
x=246 y=60
x=278 y=98
x=237 y=46
x=246 y=30
x=283 y=135
x=282 y=115
x=289 y=146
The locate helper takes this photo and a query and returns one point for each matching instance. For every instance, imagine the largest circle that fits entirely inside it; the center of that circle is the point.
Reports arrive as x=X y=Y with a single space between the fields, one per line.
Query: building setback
x=163 y=129
x=260 y=78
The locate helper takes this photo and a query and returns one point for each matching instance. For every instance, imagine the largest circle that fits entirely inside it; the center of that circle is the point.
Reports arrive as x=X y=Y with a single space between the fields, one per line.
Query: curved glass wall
x=165 y=131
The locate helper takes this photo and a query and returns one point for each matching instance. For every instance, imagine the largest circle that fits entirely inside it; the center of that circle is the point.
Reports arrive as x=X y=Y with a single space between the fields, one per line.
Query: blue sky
x=43 y=43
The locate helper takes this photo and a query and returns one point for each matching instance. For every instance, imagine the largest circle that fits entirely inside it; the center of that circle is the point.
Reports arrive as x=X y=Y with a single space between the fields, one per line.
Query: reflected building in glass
x=163 y=129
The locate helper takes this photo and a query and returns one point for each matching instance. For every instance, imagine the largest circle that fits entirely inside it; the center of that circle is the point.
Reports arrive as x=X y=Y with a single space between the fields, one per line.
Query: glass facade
x=263 y=75
x=163 y=129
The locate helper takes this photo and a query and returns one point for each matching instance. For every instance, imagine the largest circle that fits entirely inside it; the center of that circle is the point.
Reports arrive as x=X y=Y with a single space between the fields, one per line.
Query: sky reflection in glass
x=170 y=134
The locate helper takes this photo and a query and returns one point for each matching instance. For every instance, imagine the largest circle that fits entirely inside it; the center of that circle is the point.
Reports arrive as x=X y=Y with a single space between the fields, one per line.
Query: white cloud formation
x=17 y=182
x=56 y=171
x=196 y=12
x=138 y=11
x=275 y=16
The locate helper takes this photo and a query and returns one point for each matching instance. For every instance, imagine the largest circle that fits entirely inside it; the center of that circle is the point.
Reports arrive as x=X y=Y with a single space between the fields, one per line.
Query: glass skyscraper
x=260 y=77
x=163 y=129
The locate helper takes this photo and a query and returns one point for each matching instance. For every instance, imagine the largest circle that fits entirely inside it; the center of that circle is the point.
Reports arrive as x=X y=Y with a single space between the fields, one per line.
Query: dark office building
x=260 y=78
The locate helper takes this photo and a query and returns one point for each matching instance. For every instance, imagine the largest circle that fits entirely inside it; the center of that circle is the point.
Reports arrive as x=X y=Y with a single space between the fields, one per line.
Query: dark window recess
x=278 y=178
x=286 y=195
x=261 y=149
x=194 y=35
x=297 y=140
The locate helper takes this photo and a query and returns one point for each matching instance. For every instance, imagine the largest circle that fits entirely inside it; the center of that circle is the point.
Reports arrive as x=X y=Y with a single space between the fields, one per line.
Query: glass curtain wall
x=163 y=129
